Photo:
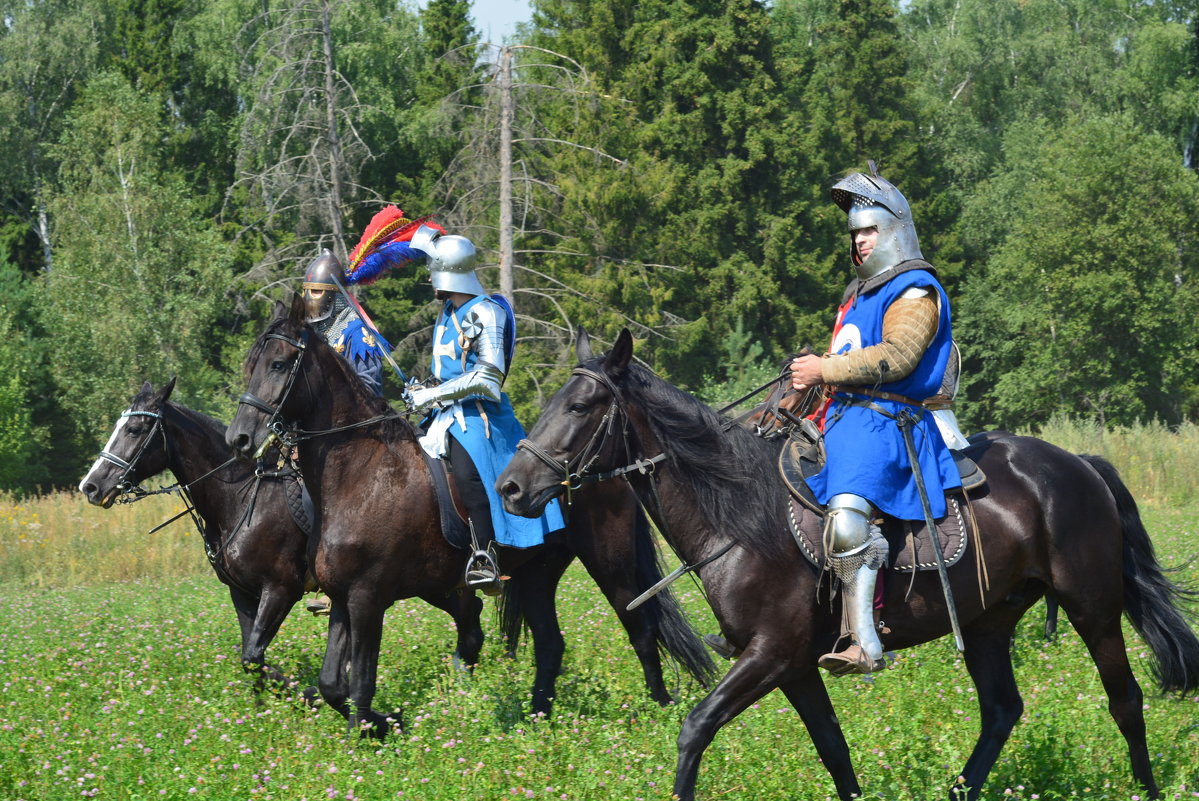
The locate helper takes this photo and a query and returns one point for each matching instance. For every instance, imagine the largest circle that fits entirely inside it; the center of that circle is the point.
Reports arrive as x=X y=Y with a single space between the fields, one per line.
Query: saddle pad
x=453 y=527
x=299 y=503
x=807 y=527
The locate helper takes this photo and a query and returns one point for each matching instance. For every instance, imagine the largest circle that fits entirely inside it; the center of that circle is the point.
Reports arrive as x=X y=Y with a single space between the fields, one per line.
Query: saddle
x=453 y=512
x=910 y=549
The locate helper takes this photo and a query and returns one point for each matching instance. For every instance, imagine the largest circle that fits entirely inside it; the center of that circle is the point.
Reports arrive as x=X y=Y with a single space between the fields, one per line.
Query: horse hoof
x=311 y=696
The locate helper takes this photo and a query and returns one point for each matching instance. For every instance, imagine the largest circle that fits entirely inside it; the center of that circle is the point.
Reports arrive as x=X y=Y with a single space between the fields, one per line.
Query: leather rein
x=289 y=436
x=576 y=472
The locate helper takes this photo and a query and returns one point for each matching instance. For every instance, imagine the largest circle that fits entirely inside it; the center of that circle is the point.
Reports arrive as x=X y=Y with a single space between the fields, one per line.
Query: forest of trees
x=169 y=167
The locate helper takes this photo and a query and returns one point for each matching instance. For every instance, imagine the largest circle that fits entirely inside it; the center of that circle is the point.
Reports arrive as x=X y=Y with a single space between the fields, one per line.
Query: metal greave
x=857 y=550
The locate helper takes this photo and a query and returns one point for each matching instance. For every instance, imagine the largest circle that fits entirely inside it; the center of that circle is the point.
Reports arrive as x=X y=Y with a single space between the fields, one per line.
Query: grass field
x=133 y=690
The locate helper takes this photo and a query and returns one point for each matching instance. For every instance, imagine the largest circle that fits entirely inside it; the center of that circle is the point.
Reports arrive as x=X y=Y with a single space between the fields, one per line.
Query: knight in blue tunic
x=892 y=343
x=471 y=422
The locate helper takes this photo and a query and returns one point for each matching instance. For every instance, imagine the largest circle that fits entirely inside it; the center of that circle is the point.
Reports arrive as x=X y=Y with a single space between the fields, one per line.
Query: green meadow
x=120 y=679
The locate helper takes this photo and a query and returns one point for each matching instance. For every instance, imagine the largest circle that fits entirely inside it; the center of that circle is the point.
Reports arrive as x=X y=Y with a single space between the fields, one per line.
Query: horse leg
x=465 y=608
x=1105 y=642
x=366 y=636
x=273 y=607
x=808 y=695
x=750 y=678
x=535 y=584
x=988 y=657
x=333 y=684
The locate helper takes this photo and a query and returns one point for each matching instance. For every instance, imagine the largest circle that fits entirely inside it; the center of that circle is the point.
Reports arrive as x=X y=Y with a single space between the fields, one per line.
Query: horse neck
x=324 y=459
x=671 y=502
x=195 y=449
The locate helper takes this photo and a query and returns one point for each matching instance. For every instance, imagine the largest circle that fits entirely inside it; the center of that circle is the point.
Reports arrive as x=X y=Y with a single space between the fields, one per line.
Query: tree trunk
x=507 y=270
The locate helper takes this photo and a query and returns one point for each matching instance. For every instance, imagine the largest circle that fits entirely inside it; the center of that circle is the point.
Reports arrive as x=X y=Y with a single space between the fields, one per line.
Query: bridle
x=576 y=471
x=276 y=425
x=124 y=485
x=288 y=435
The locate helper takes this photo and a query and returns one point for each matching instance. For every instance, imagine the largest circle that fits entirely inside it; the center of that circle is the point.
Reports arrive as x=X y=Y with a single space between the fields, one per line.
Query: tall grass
x=1159 y=464
x=59 y=540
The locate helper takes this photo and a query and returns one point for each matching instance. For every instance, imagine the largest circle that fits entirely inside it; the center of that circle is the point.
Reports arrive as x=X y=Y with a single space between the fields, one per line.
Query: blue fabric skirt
x=491 y=443
x=867 y=457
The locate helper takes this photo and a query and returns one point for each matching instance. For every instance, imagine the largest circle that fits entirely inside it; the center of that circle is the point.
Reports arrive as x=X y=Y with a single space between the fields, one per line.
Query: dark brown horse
x=380 y=535
x=1050 y=521
x=258 y=552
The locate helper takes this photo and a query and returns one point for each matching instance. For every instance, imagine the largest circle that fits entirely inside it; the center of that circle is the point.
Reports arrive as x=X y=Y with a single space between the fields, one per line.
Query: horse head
x=578 y=433
x=275 y=395
x=136 y=449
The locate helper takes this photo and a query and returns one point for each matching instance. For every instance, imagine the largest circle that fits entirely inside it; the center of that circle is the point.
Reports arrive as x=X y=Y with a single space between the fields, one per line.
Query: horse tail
x=509 y=615
x=1157 y=607
x=674 y=633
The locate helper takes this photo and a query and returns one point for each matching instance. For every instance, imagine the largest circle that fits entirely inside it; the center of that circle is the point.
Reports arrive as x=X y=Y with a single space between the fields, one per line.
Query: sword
x=906 y=420
x=371 y=325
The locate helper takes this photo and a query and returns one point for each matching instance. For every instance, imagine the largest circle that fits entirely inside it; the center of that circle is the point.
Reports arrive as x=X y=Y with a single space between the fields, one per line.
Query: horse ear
x=618 y=358
x=296 y=314
x=583 y=346
x=166 y=391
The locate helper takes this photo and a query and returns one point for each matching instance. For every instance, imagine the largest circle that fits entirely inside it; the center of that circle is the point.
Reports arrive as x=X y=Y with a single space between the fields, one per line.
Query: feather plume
x=384 y=245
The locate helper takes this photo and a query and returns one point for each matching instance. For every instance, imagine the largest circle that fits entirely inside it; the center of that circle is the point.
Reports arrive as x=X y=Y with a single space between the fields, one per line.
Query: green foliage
x=139 y=273
x=1083 y=298
x=673 y=161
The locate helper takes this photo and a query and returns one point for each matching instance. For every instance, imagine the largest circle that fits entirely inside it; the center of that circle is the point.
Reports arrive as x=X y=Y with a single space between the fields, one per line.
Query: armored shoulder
x=483 y=328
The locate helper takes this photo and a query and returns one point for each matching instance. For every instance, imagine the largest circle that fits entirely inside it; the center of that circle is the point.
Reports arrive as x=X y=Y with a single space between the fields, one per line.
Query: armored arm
x=483 y=332
x=909 y=325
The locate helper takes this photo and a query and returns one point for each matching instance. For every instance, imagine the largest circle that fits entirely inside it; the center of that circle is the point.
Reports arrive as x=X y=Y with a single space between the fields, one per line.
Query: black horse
x=380 y=533
x=259 y=552
x=1050 y=521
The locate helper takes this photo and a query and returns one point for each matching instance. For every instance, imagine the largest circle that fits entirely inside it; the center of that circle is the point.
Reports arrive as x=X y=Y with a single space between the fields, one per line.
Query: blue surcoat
x=486 y=428
x=866 y=451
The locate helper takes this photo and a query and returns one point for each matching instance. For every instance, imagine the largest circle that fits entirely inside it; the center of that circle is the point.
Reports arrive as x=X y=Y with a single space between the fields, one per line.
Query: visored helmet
x=451 y=260
x=319 y=291
x=871 y=200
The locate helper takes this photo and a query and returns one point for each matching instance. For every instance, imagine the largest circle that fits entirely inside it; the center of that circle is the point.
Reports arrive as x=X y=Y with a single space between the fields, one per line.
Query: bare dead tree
x=502 y=189
x=301 y=148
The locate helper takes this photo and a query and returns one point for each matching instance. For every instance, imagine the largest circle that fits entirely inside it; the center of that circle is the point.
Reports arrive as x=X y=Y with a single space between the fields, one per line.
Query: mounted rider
x=470 y=421
x=335 y=317
x=892 y=347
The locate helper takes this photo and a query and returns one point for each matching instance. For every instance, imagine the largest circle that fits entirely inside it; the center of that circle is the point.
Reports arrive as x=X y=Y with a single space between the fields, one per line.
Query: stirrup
x=320 y=606
x=853 y=660
x=483 y=573
x=722 y=646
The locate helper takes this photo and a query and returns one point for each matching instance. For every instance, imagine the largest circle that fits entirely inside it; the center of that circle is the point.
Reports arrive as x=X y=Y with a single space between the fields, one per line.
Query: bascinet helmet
x=451 y=260
x=319 y=290
x=871 y=200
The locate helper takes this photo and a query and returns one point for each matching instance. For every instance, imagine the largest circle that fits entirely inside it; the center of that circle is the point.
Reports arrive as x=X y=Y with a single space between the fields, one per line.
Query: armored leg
x=857 y=551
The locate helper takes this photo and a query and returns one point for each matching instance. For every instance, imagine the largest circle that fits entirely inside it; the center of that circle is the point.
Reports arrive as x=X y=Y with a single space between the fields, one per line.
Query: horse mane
x=397 y=428
x=193 y=418
x=733 y=475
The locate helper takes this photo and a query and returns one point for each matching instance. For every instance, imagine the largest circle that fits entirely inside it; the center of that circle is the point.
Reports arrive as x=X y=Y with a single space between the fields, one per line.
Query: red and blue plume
x=385 y=244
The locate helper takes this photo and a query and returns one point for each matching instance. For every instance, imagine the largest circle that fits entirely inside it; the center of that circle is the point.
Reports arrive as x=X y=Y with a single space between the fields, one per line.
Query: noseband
x=576 y=471
x=124 y=486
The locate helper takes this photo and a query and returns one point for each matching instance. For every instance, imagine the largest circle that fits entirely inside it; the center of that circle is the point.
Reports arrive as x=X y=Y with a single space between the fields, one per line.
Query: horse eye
x=578 y=408
x=279 y=364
